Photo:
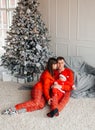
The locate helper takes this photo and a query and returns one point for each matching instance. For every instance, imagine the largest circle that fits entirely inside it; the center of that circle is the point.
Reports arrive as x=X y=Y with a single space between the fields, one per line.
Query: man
x=59 y=99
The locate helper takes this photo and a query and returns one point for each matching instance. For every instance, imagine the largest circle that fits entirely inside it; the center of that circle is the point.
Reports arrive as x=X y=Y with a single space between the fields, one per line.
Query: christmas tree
x=27 y=42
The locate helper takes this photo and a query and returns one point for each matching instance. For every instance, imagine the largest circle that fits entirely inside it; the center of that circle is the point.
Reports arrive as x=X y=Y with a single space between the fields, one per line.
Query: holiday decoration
x=27 y=42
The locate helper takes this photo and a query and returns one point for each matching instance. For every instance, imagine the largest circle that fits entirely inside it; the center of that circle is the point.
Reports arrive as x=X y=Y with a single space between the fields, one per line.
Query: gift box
x=6 y=76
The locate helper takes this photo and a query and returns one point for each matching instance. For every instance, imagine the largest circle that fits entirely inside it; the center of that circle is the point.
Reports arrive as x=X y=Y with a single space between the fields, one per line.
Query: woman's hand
x=49 y=101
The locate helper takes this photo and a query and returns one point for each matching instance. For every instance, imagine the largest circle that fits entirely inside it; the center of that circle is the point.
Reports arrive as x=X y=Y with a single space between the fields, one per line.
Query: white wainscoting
x=71 y=24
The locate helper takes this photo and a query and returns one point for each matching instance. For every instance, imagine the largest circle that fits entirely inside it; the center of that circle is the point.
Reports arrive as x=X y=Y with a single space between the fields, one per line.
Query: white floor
x=79 y=114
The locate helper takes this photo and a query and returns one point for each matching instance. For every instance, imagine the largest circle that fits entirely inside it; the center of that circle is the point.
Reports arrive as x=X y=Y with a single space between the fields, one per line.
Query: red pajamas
x=41 y=92
x=37 y=101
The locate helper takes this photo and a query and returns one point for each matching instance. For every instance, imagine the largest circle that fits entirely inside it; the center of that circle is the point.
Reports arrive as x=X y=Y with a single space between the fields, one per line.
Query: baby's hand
x=55 y=83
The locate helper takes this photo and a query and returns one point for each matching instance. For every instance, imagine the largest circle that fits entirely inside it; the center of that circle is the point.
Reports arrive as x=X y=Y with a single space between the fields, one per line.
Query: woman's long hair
x=50 y=62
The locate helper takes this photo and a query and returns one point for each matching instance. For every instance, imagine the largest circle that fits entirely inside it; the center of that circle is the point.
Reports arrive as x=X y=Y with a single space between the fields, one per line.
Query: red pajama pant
x=59 y=99
x=37 y=101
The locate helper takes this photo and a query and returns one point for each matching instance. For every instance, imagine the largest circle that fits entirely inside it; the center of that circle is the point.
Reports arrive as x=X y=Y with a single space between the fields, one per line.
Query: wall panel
x=72 y=27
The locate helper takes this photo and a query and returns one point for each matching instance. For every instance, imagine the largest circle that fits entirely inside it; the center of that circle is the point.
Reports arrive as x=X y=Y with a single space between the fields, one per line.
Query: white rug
x=79 y=114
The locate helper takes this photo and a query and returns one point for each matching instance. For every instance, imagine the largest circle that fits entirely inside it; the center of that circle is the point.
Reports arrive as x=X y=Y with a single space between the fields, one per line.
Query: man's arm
x=70 y=78
x=69 y=82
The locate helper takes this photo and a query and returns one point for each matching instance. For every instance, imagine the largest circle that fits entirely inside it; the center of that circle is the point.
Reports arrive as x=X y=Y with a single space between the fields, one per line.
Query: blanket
x=84 y=76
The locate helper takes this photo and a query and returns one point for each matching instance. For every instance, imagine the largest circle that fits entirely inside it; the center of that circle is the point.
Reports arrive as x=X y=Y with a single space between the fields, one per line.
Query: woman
x=38 y=100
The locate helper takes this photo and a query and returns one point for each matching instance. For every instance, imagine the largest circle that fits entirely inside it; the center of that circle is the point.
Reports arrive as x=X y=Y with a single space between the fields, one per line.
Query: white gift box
x=6 y=76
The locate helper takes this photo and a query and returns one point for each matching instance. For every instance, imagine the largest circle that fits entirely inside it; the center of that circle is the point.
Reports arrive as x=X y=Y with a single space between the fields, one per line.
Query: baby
x=60 y=82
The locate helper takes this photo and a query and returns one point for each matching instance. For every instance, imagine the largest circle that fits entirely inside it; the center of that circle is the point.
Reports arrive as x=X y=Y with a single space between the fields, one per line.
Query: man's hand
x=74 y=88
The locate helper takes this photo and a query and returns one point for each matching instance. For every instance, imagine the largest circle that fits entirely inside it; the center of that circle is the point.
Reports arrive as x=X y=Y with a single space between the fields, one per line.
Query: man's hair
x=60 y=58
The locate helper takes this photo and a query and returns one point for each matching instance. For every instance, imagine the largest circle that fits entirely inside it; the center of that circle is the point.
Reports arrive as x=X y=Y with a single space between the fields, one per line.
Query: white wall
x=71 y=24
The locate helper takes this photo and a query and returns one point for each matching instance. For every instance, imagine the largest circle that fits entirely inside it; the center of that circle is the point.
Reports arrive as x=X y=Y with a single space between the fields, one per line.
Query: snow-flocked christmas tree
x=27 y=42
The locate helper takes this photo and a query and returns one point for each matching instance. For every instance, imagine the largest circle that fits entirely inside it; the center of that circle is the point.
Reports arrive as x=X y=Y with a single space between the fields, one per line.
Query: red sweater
x=45 y=83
